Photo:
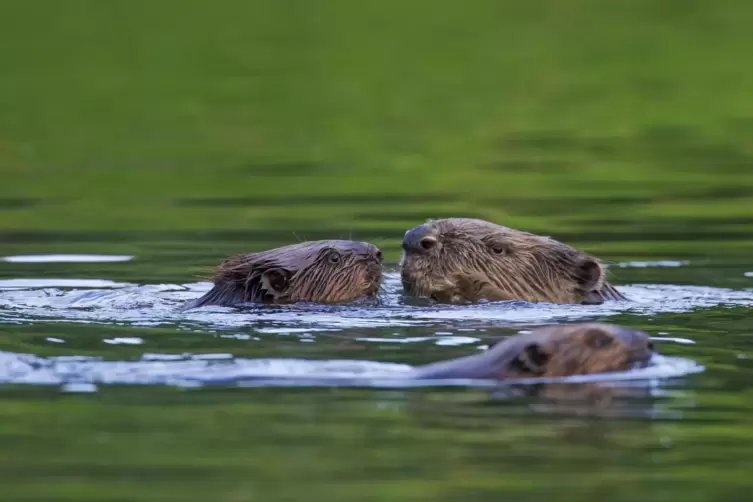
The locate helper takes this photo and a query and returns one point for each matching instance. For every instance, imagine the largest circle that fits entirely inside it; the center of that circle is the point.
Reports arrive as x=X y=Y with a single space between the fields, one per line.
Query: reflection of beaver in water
x=330 y=271
x=465 y=260
x=553 y=351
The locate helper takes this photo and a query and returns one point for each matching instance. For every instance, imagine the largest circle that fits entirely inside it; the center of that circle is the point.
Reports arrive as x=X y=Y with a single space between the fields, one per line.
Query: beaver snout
x=373 y=260
x=639 y=341
x=370 y=254
x=420 y=239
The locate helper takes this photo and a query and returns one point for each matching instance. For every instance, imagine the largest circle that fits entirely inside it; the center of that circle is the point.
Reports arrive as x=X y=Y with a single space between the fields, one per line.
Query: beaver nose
x=419 y=239
x=635 y=338
x=371 y=253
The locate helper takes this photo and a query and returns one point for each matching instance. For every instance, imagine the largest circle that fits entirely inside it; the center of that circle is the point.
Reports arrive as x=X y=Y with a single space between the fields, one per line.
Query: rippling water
x=101 y=301
x=129 y=371
x=34 y=301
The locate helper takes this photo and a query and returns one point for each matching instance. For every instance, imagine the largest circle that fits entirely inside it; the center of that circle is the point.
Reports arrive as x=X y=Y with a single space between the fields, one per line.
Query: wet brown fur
x=328 y=271
x=550 y=352
x=474 y=260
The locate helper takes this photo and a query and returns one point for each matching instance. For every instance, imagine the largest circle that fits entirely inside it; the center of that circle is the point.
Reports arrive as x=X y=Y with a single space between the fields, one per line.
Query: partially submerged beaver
x=328 y=271
x=459 y=260
x=550 y=352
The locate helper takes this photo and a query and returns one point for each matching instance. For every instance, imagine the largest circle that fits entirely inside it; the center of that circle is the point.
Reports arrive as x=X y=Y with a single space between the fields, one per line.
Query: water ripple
x=203 y=369
x=66 y=258
x=107 y=302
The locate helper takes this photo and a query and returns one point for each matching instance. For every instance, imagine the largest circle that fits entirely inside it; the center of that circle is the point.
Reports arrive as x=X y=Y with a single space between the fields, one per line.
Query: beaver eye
x=379 y=256
x=496 y=245
x=601 y=340
x=498 y=248
x=334 y=257
x=428 y=242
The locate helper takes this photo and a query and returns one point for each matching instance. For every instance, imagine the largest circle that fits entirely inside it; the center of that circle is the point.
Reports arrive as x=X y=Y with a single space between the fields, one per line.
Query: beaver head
x=553 y=351
x=465 y=260
x=328 y=271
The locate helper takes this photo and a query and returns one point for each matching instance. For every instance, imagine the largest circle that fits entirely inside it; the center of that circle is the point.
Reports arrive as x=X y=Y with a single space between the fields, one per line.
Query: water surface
x=99 y=360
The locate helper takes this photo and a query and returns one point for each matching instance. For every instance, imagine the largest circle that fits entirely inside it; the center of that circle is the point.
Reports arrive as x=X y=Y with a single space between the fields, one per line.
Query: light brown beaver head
x=330 y=271
x=552 y=351
x=465 y=260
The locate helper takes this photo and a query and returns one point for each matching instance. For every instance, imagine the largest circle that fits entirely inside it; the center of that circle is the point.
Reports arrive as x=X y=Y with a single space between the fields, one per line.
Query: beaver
x=524 y=362
x=326 y=271
x=458 y=260
x=550 y=352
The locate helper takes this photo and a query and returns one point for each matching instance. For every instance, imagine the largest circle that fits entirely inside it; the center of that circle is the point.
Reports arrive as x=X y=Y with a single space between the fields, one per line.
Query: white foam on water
x=156 y=369
x=105 y=302
x=683 y=341
x=455 y=340
x=651 y=264
x=109 y=302
x=407 y=339
x=203 y=369
x=59 y=283
x=124 y=341
x=66 y=258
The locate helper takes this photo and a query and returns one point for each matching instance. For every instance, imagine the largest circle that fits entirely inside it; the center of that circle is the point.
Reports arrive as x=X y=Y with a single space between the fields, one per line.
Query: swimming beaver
x=328 y=271
x=552 y=351
x=459 y=260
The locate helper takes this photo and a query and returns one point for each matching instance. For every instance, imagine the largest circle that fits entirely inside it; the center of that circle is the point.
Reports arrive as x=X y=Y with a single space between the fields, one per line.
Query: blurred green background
x=183 y=131
x=341 y=115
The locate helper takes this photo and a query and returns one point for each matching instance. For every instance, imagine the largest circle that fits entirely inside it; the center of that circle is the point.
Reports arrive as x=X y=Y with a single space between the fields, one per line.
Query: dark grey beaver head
x=465 y=260
x=552 y=351
x=328 y=271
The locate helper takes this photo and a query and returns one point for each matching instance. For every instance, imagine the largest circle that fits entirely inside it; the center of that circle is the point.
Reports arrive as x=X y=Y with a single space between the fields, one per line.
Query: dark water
x=142 y=142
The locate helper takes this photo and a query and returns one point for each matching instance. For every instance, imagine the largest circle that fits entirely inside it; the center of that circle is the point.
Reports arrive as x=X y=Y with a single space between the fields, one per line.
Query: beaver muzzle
x=419 y=239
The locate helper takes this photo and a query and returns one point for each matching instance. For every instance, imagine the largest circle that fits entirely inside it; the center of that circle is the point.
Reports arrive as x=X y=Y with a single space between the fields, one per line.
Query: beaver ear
x=598 y=338
x=590 y=274
x=532 y=359
x=275 y=280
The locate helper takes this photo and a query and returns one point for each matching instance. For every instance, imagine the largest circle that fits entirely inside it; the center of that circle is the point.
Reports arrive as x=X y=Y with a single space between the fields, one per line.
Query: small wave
x=66 y=258
x=108 y=302
x=651 y=264
x=59 y=283
x=173 y=369
x=438 y=340
x=223 y=369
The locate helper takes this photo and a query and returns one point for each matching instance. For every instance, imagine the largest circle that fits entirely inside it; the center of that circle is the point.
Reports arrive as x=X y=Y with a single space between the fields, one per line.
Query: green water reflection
x=181 y=132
